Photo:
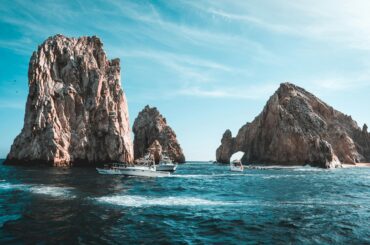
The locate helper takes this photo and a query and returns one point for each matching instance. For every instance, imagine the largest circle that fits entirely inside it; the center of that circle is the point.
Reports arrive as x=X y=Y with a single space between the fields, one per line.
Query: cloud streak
x=343 y=22
x=252 y=92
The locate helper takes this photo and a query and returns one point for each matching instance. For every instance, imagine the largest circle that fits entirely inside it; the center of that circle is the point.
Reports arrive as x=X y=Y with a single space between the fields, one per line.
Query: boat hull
x=236 y=168
x=133 y=172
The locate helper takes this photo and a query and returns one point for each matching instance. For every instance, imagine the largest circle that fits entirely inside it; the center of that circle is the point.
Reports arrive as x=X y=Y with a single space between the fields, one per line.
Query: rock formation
x=76 y=111
x=364 y=128
x=150 y=126
x=226 y=148
x=295 y=127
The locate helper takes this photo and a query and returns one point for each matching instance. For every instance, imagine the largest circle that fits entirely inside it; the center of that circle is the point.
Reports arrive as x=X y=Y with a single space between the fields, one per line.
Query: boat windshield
x=237 y=163
x=166 y=159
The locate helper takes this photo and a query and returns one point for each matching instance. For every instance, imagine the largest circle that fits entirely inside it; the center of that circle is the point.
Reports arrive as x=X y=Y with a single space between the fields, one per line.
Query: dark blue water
x=201 y=204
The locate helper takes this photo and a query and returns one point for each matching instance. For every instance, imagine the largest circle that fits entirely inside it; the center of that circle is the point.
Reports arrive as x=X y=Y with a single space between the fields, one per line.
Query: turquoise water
x=201 y=204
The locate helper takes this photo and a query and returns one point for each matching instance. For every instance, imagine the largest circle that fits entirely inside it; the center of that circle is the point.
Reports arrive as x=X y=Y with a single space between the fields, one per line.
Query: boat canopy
x=237 y=156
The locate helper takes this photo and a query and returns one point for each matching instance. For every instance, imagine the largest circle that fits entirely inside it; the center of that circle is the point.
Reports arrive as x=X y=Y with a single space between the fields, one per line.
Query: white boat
x=235 y=162
x=166 y=164
x=147 y=171
x=236 y=166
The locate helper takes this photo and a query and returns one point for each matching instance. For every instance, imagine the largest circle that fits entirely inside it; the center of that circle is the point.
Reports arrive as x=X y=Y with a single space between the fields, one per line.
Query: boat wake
x=8 y=186
x=145 y=201
x=174 y=201
x=203 y=176
x=53 y=191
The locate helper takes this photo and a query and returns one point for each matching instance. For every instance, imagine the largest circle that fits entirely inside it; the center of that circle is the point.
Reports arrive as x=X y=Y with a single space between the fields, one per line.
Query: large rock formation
x=76 y=111
x=295 y=127
x=227 y=148
x=149 y=126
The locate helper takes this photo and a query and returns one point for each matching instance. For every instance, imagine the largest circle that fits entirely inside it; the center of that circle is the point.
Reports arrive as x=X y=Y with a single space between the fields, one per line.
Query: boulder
x=226 y=149
x=76 y=111
x=151 y=126
x=297 y=128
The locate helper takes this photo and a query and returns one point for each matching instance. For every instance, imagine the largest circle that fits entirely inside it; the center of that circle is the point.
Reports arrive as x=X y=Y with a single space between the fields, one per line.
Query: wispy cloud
x=188 y=67
x=168 y=57
x=174 y=51
x=21 y=46
x=162 y=39
x=254 y=92
x=342 y=22
x=344 y=82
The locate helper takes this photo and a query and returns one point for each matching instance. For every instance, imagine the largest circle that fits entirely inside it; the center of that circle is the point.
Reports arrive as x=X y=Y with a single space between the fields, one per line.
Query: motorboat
x=166 y=164
x=236 y=163
x=133 y=170
x=236 y=166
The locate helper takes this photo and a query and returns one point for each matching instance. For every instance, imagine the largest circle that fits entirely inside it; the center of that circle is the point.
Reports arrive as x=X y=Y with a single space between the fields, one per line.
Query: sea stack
x=297 y=128
x=151 y=126
x=76 y=111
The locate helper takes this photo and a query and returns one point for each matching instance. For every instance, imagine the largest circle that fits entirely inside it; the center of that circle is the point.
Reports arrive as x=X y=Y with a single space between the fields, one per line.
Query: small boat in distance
x=236 y=166
x=166 y=164
x=122 y=169
x=235 y=162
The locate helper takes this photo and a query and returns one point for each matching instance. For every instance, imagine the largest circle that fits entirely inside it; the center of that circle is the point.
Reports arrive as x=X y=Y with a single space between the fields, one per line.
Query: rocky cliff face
x=295 y=127
x=227 y=147
x=150 y=126
x=76 y=111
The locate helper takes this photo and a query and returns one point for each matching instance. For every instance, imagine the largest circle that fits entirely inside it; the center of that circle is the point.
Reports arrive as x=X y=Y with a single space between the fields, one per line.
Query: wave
x=202 y=176
x=6 y=218
x=142 y=201
x=279 y=176
x=207 y=176
x=318 y=203
x=171 y=201
x=9 y=186
x=54 y=191
x=310 y=169
x=277 y=167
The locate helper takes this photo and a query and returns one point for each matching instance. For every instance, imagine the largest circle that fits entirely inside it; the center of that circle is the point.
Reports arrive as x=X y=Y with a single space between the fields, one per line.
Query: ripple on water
x=205 y=176
x=6 y=218
x=199 y=204
x=142 y=201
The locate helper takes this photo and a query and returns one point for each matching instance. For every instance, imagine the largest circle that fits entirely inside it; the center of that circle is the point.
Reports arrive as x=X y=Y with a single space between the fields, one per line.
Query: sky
x=207 y=65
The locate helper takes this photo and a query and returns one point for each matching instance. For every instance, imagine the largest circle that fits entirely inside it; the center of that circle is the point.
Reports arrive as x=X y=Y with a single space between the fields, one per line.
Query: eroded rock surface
x=150 y=126
x=76 y=111
x=226 y=148
x=295 y=127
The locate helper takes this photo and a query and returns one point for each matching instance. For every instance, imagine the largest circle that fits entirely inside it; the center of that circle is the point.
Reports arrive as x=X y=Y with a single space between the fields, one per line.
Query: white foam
x=278 y=176
x=310 y=169
x=314 y=202
x=9 y=186
x=171 y=201
x=272 y=167
x=53 y=191
x=202 y=176
x=142 y=201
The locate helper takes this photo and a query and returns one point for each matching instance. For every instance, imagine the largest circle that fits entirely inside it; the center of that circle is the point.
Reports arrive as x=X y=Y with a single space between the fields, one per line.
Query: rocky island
x=76 y=111
x=151 y=130
x=297 y=128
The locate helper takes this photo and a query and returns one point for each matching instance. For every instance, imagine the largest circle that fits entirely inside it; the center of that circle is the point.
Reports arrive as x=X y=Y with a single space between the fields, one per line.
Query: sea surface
x=202 y=203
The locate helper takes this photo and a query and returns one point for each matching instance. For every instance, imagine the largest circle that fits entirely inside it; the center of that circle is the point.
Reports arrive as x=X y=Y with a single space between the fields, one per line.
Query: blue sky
x=207 y=65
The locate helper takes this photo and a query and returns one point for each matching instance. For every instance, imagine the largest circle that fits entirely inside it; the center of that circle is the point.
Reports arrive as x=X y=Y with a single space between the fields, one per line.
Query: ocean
x=202 y=203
